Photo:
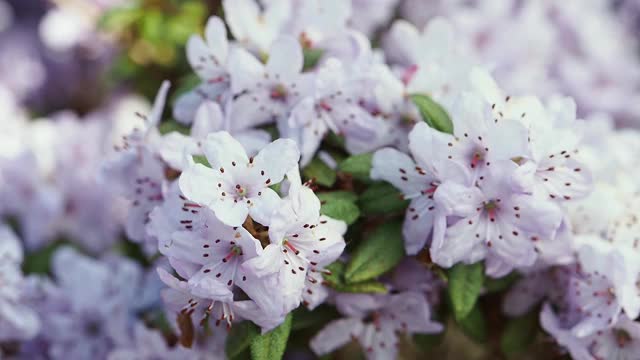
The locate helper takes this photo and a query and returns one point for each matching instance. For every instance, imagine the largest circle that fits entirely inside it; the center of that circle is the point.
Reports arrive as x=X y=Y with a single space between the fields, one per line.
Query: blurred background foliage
x=151 y=36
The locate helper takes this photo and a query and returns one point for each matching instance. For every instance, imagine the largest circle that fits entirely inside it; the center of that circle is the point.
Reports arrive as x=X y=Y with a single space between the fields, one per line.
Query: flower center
x=241 y=190
x=622 y=337
x=491 y=207
x=289 y=245
x=279 y=93
x=477 y=158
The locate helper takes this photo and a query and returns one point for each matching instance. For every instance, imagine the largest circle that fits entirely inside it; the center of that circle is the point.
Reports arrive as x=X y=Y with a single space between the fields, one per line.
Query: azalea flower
x=419 y=180
x=266 y=93
x=375 y=322
x=208 y=59
x=18 y=322
x=301 y=242
x=237 y=185
x=493 y=218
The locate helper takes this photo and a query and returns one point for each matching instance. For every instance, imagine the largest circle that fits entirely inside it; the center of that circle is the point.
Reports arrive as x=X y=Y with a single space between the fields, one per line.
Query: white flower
x=237 y=185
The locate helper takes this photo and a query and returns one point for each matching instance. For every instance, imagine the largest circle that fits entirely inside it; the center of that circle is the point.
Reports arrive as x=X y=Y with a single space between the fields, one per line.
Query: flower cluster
x=333 y=179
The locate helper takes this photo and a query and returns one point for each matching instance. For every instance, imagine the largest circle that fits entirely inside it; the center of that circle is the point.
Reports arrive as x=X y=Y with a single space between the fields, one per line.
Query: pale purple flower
x=208 y=58
x=419 y=179
x=17 y=321
x=411 y=275
x=604 y=288
x=563 y=336
x=620 y=341
x=257 y=24
x=88 y=310
x=334 y=106
x=212 y=251
x=538 y=285
x=148 y=344
x=177 y=148
x=493 y=219
x=137 y=172
x=302 y=243
x=375 y=322
x=265 y=93
x=237 y=185
x=368 y=15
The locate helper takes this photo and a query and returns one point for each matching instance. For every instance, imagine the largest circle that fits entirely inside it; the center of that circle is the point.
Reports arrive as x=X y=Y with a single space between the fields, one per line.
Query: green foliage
x=335 y=277
x=133 y=251
x=377 y=254
x=271 y=346
x=363 y=287
x=39 y=262
x=382 y=198
x=201 y=159
x=426 y=342
x=465 y=283
x=240 y=338
x=311 y=58
x=170 y=126
x=340 y=205
x=303 y=318
x=500 y=284
x=336 y=280
x=432 y=113
x=357 y=165
x=337 y=195
x=320 y=173
x=519 y=334
x=474 y=325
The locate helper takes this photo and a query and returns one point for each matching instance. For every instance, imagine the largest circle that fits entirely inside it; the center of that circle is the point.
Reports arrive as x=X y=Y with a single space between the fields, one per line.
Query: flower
x=208 y=59
x=333 y=106
x=375 y=322
x=237 y=185
x=17 y=321
x=265 y=93
x=493 y=219
x=302 y=242
x=177 y=148
x=419 y=180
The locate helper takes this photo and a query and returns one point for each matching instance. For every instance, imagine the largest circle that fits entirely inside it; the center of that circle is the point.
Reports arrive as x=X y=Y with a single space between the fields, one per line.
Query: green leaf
x=381 y=198
x=426 y=342
x=335 y=277
x=320 y=173
x=304 y=318
x=201 y=159
x=474 y=325
x=465 y=283
x=334 y=140
x=432 y=113
x=120 y=18
x=39 y=262
x=341 y=209
x=152 y=26
x=500 y=284
x=132 y=250
x=357 y=165
x=337 y=195
x=519 y=334
x=271 y=346
x=311 y=57
x=171 y=126
x=364 y=287
x=379 y=253
x=240 y=338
